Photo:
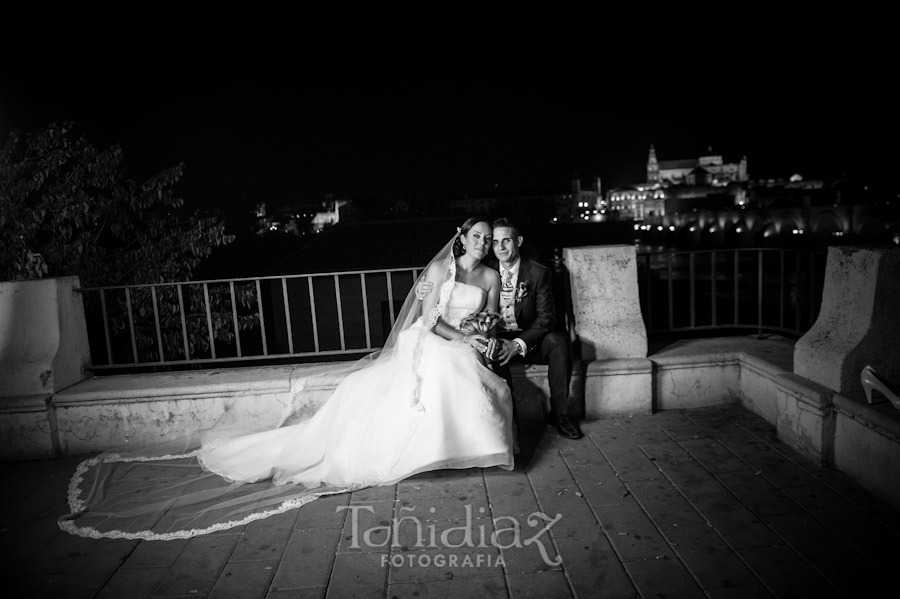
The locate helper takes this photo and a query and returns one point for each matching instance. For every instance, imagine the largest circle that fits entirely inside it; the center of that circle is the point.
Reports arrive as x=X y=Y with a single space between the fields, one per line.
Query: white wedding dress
x=369 y=434
x=432 y=405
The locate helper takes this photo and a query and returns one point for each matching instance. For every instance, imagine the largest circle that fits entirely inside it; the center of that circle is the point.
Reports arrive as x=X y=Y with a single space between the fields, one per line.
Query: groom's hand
x=507 y=351
x=423 y=288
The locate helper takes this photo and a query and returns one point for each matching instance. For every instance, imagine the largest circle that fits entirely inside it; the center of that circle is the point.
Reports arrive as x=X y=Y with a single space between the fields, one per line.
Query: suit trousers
x=554 y=351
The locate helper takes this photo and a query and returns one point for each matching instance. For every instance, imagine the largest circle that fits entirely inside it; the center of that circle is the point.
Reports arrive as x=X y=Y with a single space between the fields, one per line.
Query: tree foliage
x=66 y=208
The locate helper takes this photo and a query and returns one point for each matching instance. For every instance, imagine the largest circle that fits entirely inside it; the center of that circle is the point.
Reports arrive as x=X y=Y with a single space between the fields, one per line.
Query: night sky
x=279 y=125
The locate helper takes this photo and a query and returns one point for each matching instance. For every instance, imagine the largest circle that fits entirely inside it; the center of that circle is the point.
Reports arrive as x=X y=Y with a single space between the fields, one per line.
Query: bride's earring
x=871 y=380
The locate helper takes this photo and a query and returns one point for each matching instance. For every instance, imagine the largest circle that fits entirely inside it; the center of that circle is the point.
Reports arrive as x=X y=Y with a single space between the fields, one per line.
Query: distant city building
x=709 y=169
x=572 y=204
x=300 y=218
x=681 y=185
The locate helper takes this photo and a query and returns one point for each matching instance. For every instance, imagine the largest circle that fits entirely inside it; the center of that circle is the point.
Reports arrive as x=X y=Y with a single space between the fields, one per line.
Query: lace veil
x=162 y=492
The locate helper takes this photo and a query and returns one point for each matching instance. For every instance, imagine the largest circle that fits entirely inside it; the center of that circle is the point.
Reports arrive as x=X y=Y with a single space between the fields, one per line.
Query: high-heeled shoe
x=872 y=380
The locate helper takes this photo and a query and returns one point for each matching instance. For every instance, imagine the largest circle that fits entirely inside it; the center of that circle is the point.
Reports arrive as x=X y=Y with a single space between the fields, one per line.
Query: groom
x=526 y=330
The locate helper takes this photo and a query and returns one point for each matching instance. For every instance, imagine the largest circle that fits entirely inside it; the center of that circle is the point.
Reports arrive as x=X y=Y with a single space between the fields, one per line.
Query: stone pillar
x=43 y=336
x=608 y=322
x=605 y=302
x=858 y=323
x=43 y=349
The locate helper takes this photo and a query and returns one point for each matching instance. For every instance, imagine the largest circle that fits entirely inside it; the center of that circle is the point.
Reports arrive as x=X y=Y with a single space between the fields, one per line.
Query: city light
x=671 y=227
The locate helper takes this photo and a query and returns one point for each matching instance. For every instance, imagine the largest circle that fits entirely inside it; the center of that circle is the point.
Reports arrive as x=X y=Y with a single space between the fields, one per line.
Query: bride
x=424 y=402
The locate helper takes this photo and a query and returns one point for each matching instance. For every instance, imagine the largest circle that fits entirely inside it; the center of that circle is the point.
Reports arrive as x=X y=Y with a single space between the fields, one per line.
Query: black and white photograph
x=389 y=322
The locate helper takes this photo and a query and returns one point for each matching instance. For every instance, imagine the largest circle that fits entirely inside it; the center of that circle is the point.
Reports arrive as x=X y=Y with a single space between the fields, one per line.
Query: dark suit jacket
x=536 y=311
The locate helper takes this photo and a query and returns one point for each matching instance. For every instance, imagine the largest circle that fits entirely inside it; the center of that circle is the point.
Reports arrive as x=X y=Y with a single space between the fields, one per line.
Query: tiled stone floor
x=682 y=504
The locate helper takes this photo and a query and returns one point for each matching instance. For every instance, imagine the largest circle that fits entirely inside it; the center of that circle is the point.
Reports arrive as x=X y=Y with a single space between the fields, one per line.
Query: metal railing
x=344 y=313
x=228 y=320
x=766 y=289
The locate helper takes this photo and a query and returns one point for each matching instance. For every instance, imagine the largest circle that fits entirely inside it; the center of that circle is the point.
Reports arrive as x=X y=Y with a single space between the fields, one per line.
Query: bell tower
x=652 y=166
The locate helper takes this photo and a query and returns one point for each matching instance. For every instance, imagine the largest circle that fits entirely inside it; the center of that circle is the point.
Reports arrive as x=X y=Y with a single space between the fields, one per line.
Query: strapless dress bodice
x=464 y=300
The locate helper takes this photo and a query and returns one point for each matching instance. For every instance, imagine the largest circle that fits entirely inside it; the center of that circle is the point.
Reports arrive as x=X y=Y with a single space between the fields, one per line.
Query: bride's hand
x=423 y=288
x=476 y=341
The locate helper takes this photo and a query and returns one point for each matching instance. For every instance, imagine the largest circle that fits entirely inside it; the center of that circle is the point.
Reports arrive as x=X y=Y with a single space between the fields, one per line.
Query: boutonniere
x=521 y=291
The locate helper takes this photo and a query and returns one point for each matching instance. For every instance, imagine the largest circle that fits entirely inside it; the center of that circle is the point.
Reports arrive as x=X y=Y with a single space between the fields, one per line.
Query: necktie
x=507 y=280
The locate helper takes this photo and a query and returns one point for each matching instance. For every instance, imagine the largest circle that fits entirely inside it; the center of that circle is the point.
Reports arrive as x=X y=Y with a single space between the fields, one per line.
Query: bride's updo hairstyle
x=458 y=247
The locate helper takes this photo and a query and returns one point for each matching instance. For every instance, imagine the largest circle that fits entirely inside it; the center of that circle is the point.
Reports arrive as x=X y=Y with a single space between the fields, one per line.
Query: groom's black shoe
x=567 y=428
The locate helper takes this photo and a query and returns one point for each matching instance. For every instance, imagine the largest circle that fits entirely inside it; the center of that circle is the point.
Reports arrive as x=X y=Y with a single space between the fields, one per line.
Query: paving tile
x=581 y=454
x=51 y=585
x=820 y=533
x=785 y=475
x=818 y=545
x=663 y=577
x=786 y=573
x=439 y=534
x=443 y=508
x=755 y=591
x=630 y=463
x=308 y=559
x=368 y=527
x=373 y=494
x=758 y=494
x=744 y=444
x=199 y=565
x=457 y=484
x=314 y=593
x=88 y=557
x=22 y=545
x=134 y=583
x=570 y=506
x=692 y=479
x=444 y=564
x=632 y=435
x=549 y=470
x=357 y=575
x=243 y=580
x=511 y=495
x=667 y=450
x=714 y=417
x=867 y=535
x=601 y=486
x=665 y=505
x=737 y=524
x=757 y=454
x=714 y=456
x=858 y=496
x=520 y=558
x=712 y=563
x=613 y=435
x=685 y=432
x=817 y=496
x=155 y=554
x=539 y=585
x=633 y=533
x=265 y=539
x=488 y=587
x=324 y=512
x=593 y=567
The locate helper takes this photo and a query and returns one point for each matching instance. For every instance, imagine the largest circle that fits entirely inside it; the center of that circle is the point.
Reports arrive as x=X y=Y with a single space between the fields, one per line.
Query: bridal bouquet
x=480 y=323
